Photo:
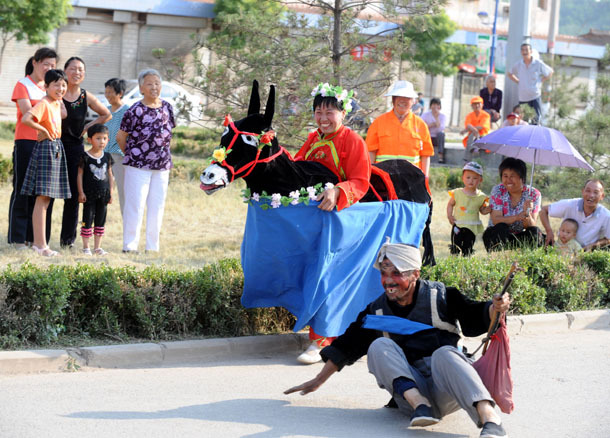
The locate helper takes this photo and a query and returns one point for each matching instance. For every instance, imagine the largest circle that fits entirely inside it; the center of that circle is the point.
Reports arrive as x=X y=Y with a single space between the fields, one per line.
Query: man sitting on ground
x=593 y=219
x=426 y=374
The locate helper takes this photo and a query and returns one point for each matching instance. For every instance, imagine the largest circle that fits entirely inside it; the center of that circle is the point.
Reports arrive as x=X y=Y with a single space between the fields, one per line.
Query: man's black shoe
x=422 y=416
x=493 y=430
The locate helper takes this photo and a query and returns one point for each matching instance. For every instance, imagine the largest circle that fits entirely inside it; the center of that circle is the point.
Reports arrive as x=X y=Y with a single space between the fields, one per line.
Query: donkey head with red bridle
x=244 y=144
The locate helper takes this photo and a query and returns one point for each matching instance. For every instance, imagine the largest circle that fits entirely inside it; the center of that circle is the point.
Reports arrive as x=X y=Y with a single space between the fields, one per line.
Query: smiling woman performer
x=337 y=147
x=344 y=152
x=514 y=209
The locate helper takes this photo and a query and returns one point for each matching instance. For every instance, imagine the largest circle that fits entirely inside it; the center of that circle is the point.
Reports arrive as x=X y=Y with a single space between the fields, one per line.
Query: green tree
x=427 y=49
x=296 y=44
x=589 y=132
x=30 y=20
x=576 y=17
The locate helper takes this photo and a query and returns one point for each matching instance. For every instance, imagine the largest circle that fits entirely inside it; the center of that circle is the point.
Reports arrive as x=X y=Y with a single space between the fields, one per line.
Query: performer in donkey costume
x=320 y=256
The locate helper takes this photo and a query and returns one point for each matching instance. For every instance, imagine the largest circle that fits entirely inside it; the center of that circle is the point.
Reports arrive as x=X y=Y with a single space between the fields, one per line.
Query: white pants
x=143 y=186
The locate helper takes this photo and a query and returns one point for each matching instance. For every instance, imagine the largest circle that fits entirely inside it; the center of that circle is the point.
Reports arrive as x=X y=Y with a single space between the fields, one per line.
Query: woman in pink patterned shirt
x=514 y=210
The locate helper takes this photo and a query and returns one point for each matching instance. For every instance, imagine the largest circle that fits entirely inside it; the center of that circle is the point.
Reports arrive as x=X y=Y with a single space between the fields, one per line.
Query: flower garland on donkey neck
x=342 y=95
x=304 y=195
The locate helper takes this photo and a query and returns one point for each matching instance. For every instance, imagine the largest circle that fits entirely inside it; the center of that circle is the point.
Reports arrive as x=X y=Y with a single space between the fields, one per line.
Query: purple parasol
x=534 y=144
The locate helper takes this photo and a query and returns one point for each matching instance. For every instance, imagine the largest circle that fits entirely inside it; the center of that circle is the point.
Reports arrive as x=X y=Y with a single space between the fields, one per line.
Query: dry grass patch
x=197 y=229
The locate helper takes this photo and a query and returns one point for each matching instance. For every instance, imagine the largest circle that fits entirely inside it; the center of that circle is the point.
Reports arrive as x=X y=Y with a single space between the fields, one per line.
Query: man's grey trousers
x=447 y=378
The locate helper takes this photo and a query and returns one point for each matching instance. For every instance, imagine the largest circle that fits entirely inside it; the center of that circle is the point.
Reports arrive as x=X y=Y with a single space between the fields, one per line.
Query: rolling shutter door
x=98 y=43
x=175 y=40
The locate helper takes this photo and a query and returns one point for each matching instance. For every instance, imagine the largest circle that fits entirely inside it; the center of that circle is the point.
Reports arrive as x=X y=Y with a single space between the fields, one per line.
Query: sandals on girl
x=87 y=251
x=100 y=252
x=45 y=252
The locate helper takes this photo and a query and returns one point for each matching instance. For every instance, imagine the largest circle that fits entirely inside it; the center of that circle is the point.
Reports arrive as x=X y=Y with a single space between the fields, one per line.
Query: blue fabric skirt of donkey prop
x=319 y=265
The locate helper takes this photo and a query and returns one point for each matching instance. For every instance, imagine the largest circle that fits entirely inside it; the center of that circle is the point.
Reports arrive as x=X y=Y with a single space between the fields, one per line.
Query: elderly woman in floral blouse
x=514 y=209
x=144 y=138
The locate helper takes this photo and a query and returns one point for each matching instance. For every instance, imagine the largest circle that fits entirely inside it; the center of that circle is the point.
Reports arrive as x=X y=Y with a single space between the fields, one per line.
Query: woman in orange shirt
x=399 y=134
x=27 y=93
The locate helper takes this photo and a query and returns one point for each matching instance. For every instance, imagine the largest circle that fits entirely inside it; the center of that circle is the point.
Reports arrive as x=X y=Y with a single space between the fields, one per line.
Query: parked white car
x=178 y=97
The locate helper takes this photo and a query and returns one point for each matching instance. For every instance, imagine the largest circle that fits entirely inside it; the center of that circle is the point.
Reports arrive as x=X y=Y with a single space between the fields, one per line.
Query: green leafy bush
x=35 y=302
x=38 y=305
x=549 y=281
x=481 y=278
x=7 y=130
x=599 y=263
x=195 y=142
x=6 y=169
x=157 y=303
x=187 y=170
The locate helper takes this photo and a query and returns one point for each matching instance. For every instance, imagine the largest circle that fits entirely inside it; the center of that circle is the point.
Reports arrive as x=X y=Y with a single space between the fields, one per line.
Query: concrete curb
x=209 y=350
x=147 y=354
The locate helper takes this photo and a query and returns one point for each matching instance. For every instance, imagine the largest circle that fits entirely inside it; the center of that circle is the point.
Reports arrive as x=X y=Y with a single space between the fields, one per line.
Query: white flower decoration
x=329 y=186
x=276 y=200
x=311 y=191
x=256 y=197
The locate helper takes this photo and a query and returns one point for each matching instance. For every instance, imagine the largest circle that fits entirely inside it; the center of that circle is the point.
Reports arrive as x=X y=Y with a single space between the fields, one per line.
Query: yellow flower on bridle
x=219 y=155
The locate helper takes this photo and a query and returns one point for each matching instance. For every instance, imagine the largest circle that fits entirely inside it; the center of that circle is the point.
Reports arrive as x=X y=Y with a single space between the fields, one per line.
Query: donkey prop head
x=244 y=144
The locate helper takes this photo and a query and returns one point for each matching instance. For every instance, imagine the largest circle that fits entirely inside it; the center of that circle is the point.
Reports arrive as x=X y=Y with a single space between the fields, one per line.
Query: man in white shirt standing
x=593 y=219
x=529 y=73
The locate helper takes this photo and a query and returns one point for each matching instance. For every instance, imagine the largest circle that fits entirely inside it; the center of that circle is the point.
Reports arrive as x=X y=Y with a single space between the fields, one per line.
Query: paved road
x=562 y=389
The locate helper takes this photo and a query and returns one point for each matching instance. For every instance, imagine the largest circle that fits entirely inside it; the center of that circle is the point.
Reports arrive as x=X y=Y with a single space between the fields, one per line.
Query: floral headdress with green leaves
x=339 y=93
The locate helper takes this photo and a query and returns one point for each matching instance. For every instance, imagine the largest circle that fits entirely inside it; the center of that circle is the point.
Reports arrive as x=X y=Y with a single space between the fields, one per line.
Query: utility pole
x=553 y=29
x=553 y=26
x=518 y=33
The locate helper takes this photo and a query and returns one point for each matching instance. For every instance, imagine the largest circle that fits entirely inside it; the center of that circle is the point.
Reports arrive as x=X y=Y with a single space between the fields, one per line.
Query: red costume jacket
x=345 y=153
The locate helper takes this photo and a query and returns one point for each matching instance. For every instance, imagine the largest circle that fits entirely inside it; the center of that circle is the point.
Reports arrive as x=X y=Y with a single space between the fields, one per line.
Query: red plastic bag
x=494 y=369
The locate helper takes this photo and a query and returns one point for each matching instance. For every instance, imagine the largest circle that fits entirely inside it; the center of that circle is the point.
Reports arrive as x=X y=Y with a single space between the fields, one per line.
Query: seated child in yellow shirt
x=463 y=210
x=566 y=243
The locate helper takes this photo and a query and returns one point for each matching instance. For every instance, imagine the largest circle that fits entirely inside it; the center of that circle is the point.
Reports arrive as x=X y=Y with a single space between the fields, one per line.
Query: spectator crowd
x=130 y=153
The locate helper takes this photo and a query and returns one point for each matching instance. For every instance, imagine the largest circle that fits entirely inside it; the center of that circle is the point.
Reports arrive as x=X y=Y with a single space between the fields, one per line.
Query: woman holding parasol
x=514 y=209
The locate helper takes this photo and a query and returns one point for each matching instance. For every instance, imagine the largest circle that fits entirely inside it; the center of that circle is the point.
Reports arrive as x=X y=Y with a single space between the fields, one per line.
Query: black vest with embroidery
x=430 y=308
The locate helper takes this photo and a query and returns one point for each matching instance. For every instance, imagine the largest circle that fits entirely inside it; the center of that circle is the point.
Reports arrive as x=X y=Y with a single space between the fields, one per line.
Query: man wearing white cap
x=400 y=134
x=424 y=371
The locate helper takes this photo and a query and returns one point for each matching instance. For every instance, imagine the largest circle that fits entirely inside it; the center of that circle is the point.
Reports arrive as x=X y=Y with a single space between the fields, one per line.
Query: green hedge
x=549 y=282
x=38 y=305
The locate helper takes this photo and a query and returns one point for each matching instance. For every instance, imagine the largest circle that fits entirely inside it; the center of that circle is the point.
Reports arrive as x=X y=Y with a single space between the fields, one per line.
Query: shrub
x=7 y=130
x=549 y=282
x=157 y=303
x=481 y=278
x=569 y=285
x=39 y=304
x=599 y=263
x=37 y=300
x=195 y=142
x=187 y=170
x=6 y=169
